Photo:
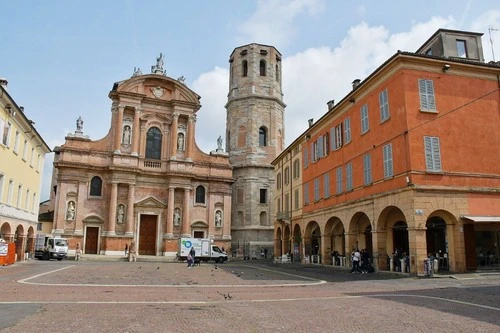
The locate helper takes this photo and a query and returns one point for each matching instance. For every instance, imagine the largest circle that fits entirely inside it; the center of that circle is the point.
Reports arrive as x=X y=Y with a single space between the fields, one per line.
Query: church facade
x=146 y=181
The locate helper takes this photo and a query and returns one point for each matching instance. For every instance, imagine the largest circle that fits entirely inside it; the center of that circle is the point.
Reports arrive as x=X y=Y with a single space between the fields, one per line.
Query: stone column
x=112 y=209
x=173 y=136
x=82 y=194
x=379 y=255
x=60 y=210
x=170 y=212
x=118 y=129
x=418 y=249
x=326 y=249
x=142 y=148
x=136 y=131
x=190 y=137
x=129 y=228
x=186 y=232
x=226 y=218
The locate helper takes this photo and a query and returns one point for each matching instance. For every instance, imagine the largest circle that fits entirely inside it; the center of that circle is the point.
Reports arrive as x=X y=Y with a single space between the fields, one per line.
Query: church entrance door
x=147 y=235
x=91 y=240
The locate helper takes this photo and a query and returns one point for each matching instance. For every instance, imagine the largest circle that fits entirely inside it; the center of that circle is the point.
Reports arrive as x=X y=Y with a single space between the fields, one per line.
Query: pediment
x=199 y=224
x=93 y=219
x=150 y=203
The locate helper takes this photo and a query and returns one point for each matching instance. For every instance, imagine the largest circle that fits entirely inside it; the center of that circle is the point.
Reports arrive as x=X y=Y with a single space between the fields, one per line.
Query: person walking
x=78 y=252
x=189 y=260
x=132 y=252
x=356 y=257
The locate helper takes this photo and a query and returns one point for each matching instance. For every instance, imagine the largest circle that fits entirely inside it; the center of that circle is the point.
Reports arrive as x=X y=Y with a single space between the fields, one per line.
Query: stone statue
x=79 y=124
x=218 y=218
x=120 y=214
x=177 y=216
x=182 y=79
x=137 y=71
x=180 y=141
x=219 y=143
x=159 y=62
x=126 y=135
x=70 y=212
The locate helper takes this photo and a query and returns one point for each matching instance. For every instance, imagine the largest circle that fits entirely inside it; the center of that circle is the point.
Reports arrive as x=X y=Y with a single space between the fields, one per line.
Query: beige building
x=255 y=136
x=146 y=180
x=22 y=154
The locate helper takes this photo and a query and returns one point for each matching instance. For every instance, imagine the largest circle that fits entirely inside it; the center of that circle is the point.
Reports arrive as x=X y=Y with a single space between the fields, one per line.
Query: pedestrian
x=355 y=257
x=192 y=252
x=132 y=252
x=265 y=253
x=78 y=252
x=126 y=249
x=190 y=260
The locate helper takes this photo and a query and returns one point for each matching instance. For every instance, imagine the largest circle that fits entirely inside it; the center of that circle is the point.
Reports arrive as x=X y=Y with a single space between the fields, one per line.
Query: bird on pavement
x=158 y=267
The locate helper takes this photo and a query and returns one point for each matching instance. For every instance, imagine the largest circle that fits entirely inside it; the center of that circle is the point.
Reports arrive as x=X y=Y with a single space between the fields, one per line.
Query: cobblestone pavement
x=244 y=296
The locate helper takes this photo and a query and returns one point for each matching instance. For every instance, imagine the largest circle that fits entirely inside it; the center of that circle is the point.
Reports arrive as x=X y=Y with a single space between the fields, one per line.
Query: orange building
x=406 y=163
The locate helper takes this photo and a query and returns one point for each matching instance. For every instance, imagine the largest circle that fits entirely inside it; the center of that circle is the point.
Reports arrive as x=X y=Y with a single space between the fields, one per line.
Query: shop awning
x=481 y=218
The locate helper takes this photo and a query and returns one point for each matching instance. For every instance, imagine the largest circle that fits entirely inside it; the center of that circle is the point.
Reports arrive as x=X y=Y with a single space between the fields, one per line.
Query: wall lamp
x=446 y=67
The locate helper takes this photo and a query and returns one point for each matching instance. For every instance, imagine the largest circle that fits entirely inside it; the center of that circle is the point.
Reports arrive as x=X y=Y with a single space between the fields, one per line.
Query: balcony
x=152 y=164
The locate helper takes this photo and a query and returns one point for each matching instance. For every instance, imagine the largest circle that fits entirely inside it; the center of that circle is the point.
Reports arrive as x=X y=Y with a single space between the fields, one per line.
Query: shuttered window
x=365 y=125
x=348 y=176
x=326 y=185
x=383 y=100
x=316 y=189
x=426 y=91
x=347 y=130
x=432 y=153
x=306 y=160
x=339 y=180
x=306 y=194
x=367 y=169
x=388 y=168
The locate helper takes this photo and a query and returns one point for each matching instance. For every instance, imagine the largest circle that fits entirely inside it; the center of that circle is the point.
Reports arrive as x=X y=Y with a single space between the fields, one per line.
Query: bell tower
x=254 y=138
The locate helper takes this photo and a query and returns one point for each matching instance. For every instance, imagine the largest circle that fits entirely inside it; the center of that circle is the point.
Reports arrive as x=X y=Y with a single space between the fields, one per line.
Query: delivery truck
x=205 y=250
x=50 y=247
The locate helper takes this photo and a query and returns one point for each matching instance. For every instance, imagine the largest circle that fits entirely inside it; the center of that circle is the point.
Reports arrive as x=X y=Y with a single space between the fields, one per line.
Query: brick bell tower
x=254 y=137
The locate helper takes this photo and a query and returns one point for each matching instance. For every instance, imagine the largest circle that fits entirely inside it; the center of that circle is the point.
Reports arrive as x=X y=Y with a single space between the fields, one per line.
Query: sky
x=61 y=58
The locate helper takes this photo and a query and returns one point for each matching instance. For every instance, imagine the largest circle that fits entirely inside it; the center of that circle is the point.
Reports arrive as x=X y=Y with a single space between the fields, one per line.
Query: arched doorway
x=278 y=242
x=287 y=243
x=296 y=244
x=400 y=237
x=437 y=244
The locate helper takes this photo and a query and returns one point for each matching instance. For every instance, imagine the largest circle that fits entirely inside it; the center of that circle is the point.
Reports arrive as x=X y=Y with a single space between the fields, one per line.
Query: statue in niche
x=120 y=214
x=218 y=218
x=177 y=216
x=180 y=141
x=70 y=211
x=127 y=133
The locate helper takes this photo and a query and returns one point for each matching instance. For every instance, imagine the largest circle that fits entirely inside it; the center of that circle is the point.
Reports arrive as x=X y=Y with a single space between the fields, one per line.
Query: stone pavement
x=243 y=296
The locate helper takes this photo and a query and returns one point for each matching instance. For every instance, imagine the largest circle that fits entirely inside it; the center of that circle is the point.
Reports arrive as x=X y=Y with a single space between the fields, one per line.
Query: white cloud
x=490 y=19
x=272 y=21
x=211 y=118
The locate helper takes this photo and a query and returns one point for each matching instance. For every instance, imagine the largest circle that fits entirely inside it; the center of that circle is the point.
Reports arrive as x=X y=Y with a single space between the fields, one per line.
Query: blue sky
x=61 y=58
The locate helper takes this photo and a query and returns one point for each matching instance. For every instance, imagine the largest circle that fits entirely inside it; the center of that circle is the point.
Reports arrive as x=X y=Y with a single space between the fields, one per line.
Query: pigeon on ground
x=158 y=267
x=229 y=296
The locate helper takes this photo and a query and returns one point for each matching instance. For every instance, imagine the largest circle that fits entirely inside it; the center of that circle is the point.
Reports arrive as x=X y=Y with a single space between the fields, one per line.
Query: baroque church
x=148 y=182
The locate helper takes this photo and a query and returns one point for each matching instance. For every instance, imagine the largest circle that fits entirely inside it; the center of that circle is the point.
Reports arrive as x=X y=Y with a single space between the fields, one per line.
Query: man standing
x=132 y=252
x=356 y=257
x=78 y=252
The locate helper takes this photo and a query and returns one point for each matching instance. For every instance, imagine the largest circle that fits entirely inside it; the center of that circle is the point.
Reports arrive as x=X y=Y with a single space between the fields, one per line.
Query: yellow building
x=287 y=198
x=22 y=153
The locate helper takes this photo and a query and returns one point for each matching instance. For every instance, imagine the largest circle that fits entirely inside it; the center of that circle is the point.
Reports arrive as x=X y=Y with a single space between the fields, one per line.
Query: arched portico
x=286 y=241
x=440 y=240
x=391 y=233
x=6 y=233
x=312 y=241
x=278 y=246
x=297 y=244
x=359 y=235
x=334 y=237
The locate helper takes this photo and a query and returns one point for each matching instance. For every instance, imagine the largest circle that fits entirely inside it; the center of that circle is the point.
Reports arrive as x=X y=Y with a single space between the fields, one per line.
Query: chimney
x=355 y=83
x=4 y=82
x=330 y=104
x=310 y=121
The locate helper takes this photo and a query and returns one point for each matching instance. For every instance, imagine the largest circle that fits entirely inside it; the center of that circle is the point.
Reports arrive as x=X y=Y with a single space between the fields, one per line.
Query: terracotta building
x=405 y=165
x=146 y=180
